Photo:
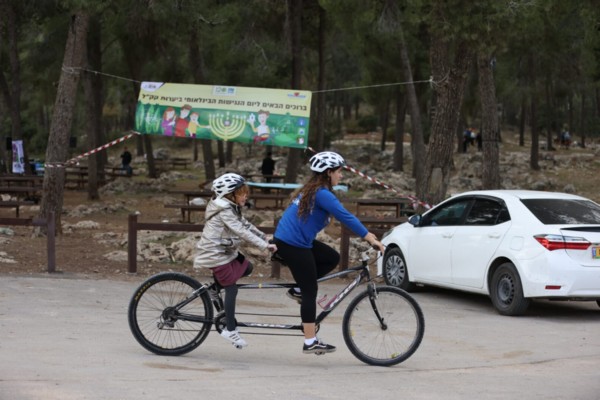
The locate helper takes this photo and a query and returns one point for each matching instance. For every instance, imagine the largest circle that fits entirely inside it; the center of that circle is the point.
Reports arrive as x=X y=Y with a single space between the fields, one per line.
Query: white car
x=513 y=245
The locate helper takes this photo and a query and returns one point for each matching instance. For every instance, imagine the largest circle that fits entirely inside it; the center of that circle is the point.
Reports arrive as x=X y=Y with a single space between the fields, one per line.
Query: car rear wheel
x=506 y=291
x=395 y=272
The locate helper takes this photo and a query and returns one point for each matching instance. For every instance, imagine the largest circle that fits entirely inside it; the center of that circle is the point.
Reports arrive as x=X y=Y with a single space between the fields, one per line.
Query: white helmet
x=226 y=184
x=325 y=160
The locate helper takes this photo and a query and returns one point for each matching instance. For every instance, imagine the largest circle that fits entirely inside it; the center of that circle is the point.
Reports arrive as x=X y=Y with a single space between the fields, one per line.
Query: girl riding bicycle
x=224 y=229
x=307 y=258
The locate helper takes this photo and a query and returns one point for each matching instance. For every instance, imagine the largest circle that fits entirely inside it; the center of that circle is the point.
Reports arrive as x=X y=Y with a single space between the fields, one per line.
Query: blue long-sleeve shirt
x=300 y=232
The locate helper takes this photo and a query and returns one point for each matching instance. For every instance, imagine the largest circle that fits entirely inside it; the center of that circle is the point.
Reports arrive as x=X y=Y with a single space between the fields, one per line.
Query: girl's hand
x=272 y=248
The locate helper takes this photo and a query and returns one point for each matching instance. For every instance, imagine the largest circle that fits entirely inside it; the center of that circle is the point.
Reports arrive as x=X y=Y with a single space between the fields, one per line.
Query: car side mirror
x=414 y=220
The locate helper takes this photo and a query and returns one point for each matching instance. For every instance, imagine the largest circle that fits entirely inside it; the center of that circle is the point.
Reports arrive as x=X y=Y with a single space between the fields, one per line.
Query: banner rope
x=75 y=160
x=415 y=201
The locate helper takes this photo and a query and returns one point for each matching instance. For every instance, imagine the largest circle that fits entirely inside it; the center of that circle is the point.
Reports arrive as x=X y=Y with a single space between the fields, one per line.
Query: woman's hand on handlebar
x=374 y=242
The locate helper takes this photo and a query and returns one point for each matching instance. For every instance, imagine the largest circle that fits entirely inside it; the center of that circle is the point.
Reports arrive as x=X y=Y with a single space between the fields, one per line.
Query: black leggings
x=229 y=302
x=308 y=265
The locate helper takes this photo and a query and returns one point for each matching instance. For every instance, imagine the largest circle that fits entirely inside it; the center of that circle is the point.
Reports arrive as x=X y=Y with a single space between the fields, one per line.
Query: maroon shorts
x=228 y=274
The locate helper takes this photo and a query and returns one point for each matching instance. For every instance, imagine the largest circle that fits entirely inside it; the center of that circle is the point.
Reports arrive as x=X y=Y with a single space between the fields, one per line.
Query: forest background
x=71 y=72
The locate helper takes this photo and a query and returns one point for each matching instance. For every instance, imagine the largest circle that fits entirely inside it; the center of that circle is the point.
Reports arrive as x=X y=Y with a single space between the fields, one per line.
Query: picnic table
x=21 y=180
x=284 y=187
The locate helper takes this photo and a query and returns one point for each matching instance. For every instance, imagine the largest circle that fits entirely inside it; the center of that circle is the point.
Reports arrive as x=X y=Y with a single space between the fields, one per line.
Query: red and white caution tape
x=74 y=161
x=415 y=202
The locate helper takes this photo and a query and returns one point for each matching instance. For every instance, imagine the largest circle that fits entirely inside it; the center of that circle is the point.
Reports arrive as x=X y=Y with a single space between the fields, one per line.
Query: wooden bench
x=279 y=199
x=16 y=204
x=186 y=210
x=180 y=162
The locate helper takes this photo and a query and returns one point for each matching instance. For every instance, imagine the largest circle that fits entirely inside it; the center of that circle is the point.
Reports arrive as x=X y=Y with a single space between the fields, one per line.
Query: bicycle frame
x=363 y=275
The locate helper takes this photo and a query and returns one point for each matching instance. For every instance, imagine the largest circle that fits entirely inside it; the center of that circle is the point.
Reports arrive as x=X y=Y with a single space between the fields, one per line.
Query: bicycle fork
x=372 y=298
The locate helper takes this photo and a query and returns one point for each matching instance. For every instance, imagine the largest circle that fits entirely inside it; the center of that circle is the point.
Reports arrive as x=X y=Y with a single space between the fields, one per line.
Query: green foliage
x=246 y=43
x=368 y=123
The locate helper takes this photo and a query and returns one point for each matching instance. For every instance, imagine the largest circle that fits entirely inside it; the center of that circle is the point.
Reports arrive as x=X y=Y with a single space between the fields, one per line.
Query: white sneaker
x=234 y=337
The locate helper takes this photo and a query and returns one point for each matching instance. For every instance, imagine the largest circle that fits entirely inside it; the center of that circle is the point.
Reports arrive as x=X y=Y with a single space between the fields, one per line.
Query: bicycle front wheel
x=164 y=316
x=383 y=328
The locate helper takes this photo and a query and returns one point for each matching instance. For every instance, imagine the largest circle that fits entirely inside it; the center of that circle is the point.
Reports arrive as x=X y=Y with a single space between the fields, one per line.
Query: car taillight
x=559 y=242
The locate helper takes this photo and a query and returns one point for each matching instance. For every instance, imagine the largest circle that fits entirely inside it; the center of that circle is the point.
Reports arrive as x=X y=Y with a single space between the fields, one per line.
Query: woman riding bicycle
x=218 y=247
x=308 y=258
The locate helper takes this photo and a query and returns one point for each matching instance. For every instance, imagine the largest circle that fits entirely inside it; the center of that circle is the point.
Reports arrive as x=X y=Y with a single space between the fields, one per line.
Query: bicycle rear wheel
x=392 y=339
x=162 y=328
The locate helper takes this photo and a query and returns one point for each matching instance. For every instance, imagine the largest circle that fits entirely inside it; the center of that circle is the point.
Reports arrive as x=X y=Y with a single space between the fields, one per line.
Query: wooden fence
x=50 y=225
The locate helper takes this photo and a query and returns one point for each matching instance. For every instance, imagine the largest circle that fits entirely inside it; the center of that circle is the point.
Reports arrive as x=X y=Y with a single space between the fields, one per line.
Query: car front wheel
x=506 y=291
x=395 y=272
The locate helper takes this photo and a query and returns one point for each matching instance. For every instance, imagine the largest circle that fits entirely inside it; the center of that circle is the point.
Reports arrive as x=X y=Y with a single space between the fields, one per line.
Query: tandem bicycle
x=172 y=314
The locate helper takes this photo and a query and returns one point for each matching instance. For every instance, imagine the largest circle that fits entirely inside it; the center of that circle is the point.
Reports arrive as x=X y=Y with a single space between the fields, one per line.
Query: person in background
x=126 y=162
x=309 y=259
x=224 y=229
x=267 y=167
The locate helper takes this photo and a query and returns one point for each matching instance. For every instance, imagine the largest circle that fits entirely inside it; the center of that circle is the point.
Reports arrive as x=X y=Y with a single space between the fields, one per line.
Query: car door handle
x=494 y=235
x=447 y=235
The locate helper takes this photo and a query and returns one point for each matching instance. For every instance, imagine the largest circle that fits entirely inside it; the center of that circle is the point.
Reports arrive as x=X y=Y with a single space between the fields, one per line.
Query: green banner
x=274 y=117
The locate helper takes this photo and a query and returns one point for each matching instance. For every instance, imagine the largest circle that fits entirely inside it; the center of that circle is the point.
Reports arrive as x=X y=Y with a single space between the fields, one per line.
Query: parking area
x=68 y=338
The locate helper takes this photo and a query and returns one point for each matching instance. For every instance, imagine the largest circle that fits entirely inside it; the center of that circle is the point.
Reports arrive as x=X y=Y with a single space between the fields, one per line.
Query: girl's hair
x=309 y=191
x=244 y=189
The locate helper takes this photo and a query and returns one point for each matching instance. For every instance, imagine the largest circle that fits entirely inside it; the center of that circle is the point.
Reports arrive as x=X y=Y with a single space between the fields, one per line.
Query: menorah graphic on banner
x=225 y=125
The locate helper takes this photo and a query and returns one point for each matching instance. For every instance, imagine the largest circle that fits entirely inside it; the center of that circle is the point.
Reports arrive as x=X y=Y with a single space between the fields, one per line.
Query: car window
x=448 y=214
x=564 y=211
x=487 y=212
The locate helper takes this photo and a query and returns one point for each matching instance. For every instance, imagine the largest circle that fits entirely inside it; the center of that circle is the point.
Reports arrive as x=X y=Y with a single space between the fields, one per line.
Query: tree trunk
x=452 y=75
x=417 y=142
x=490 y=135
x=221 y=155
x=321 y=80
x=582 y=123
x=398 y=163
x=12 y=94
x=385 y=121
x=229 y=152
x=535 y=144
x=295 y=12
x=196 y=63
x=550 y=120
x=522 y=121
x=62 y=118
x=92 y=84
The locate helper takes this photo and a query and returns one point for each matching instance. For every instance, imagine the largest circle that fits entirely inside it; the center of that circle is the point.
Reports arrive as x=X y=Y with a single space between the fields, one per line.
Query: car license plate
x=595 y=252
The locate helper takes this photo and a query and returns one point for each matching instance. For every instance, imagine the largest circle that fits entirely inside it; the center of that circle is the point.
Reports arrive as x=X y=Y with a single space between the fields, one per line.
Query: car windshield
x=563 y=211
